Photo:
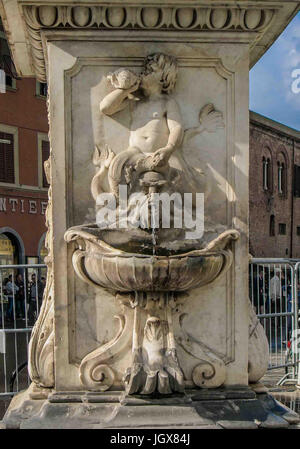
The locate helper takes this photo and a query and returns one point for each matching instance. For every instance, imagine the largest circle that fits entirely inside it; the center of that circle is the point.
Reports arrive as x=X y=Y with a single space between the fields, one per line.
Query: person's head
x=261 y=273
x=162 y=69
x=10 y=277
x=19 y=277
x=43 y=280
x=33 y=277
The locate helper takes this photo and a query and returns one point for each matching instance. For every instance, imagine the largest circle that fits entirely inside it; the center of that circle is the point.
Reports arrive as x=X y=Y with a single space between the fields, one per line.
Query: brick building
x=23 y=148
x=274 y=186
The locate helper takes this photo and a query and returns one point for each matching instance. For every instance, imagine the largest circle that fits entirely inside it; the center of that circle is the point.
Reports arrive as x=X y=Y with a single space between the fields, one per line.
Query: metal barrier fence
x=21 y=294
x=274 y=290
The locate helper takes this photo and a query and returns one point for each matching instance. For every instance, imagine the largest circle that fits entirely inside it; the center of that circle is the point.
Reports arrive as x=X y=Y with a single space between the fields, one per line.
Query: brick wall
x=22 y=206
x=275 y=143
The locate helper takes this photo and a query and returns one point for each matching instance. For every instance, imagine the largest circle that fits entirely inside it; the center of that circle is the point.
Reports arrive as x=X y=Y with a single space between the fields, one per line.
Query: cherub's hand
x=144 y=163
x=157 y=159
x=164 y=153
x=133 y=89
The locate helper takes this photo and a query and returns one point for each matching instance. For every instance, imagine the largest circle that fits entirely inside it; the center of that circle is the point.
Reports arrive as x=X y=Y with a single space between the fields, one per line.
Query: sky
x=274 y=92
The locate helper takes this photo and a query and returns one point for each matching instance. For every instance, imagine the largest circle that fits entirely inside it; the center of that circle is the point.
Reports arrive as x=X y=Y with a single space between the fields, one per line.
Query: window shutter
x=297 y=181
x=45 y=156
x=7 y=163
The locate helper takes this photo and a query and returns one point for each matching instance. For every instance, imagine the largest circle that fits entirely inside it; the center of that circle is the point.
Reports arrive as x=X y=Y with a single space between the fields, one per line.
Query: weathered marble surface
x=87 y=82
x=237 y=408
x=78 y=45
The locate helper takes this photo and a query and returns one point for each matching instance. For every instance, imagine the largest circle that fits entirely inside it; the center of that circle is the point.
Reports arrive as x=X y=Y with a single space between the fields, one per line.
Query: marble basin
x=104 y=265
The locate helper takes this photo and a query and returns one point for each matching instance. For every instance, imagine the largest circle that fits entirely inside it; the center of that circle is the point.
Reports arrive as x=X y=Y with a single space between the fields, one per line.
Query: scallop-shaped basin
x=103 y=265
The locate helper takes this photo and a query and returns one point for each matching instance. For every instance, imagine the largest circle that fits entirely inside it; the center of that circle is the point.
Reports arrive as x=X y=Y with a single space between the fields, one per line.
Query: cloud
x=271 y=79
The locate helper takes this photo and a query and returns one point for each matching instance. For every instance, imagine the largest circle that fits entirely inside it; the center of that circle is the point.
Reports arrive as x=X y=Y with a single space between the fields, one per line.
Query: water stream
x=153 y=223
x=154 y=241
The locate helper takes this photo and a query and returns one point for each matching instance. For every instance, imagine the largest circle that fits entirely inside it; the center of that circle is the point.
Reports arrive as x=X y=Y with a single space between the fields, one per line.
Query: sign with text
x=23 y=205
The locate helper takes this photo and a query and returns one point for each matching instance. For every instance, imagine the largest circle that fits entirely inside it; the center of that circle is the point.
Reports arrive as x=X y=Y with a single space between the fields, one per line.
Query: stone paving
x=4 y=403
x=287 y=393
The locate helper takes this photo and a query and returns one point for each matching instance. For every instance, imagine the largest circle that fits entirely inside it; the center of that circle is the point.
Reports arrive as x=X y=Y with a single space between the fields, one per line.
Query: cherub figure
x=156 y=128
x=156 y=133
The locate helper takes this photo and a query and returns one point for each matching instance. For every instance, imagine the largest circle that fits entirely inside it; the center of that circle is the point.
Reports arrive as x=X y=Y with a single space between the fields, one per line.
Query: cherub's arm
x=174 y=124
x=173 y=117
x=116 y=100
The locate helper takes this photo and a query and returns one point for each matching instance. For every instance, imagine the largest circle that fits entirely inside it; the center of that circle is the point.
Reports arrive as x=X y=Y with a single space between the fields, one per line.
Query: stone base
x=221 y=408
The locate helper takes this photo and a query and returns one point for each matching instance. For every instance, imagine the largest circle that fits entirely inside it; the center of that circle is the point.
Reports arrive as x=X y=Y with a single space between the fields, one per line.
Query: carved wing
x=210 y=120
x=102 y=158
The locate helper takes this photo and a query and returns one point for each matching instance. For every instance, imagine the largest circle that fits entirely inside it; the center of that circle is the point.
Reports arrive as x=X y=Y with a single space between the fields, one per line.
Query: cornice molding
x=168 y=17
x=265 y=123
x=179 y=17
x=252 y=21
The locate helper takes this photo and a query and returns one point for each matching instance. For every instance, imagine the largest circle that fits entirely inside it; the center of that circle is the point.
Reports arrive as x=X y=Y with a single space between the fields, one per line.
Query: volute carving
x=41 y=346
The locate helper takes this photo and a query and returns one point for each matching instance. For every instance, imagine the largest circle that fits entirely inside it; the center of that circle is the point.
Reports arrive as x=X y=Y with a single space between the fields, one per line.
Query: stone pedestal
x=228 y=408
x=81 y=363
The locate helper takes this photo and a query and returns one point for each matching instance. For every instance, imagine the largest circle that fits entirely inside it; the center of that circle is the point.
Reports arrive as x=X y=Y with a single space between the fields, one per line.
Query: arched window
x=282 y=166
x=266 y=173
x=281 y=177
x=11 y=249
x=7 y=250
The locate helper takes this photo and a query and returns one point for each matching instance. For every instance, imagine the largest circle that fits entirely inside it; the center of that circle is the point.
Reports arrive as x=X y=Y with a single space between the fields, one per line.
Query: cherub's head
x=165 y=67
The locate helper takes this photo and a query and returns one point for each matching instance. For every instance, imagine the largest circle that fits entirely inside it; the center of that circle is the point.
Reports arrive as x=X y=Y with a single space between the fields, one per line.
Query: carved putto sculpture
x=149 y=282
x=157 y=138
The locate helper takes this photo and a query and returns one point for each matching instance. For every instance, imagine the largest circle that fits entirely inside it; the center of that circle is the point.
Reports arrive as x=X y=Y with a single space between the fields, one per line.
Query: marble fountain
x=146 y=320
